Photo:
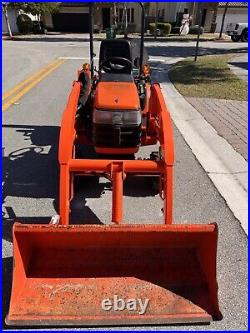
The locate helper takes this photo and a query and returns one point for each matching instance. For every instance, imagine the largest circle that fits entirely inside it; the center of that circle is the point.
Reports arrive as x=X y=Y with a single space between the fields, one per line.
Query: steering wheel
x=116 y=65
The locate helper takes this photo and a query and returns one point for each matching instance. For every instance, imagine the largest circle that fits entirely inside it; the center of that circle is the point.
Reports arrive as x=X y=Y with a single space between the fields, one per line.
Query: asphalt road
x=30 y=171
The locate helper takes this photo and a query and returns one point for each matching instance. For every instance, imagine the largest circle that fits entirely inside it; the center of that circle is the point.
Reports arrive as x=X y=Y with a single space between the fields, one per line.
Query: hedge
x=164 y=27
x=24 y=23
x=194 y=29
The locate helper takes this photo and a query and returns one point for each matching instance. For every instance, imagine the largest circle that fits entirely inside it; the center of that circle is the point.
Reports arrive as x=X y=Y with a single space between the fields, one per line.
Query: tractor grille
x=115 y=136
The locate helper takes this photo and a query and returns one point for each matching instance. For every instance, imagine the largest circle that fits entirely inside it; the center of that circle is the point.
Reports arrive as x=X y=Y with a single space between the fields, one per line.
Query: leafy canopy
x=37 y=8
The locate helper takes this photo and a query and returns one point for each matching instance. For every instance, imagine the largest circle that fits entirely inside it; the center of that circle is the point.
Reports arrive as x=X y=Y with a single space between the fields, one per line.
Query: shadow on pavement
x=54 y=39
x=240 y=64
x=6 y=291
x=188 y=51
x=33 y=172
x=30 y=172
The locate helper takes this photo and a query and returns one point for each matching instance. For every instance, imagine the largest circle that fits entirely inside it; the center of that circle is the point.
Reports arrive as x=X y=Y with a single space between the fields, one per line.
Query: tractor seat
x=115 y=48
x=115 y=77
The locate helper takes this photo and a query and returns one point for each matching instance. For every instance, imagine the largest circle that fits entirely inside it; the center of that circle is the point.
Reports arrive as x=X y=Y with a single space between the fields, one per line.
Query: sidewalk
x=228 y=118
x=226 y=168
x=79 y=37
x=216 y=87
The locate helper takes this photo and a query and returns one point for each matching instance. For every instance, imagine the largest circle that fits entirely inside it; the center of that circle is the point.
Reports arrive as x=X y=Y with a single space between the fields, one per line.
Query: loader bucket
x=99 y=275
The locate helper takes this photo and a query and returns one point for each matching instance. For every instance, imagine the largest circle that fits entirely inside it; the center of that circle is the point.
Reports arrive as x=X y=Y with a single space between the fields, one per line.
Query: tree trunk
x=223 y=20
x=156 y=19
x=125 y=21
x=115 y=14
x=5 y=8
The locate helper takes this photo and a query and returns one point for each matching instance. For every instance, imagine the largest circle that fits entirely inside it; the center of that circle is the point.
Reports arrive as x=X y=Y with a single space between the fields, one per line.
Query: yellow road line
x=24 y=82
x=30 y=78
x=29 y=83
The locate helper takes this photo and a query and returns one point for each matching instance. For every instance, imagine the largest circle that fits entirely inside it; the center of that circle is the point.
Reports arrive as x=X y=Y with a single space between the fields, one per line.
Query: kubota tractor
x=63 y=272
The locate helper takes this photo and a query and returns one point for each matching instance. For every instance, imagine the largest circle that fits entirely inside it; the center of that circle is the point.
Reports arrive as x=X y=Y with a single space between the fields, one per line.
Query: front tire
x=235 y=38
x=244 y=36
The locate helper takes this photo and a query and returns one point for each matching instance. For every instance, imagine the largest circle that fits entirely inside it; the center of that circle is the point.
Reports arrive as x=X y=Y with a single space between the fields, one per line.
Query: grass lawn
x=210 y=76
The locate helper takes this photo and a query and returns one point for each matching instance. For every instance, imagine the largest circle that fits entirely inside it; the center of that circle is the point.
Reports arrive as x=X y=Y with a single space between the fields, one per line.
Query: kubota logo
x=119 y=304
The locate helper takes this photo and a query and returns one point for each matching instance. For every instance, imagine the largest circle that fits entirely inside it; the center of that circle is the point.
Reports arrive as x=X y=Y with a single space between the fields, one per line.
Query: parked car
x=238 y=31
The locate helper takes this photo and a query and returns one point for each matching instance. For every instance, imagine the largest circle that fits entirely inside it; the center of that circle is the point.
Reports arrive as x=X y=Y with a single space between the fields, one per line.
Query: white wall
x=170 y=9
x=137 y=13
x=12 y=19
x=232 y=16
x=208 y=20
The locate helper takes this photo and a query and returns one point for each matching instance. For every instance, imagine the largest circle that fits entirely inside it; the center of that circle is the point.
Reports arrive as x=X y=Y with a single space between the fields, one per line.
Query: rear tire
x=235 y=38
x=244 y=36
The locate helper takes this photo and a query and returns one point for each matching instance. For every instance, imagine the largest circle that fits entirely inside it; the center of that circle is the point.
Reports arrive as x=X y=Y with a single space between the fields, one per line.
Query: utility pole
x=156 y=19
x=5 y=9
x=193 y=10
x=223 y=20
x=198 y=36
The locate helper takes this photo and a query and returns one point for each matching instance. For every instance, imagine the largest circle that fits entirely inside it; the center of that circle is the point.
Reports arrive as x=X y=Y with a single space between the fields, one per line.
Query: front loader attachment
x=102 y=275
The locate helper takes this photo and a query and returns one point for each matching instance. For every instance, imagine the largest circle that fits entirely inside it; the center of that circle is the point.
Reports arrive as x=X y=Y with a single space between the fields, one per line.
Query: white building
x=237 y=12
x=208 y=14
x=74 y=16
x=12 y=15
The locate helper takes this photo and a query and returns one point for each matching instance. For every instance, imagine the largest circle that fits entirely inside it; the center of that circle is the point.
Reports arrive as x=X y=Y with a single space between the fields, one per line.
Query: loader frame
x=116 y=170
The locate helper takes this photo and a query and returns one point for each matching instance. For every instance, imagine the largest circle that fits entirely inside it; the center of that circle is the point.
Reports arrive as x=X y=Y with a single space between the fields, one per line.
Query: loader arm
x=116 y=169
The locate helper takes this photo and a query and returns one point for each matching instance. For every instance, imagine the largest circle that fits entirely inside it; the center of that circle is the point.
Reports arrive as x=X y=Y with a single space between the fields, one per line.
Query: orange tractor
x=62 y=272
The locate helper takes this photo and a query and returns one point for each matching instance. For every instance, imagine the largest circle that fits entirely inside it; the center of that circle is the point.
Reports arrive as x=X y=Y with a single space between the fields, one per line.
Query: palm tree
x=223 y=20
x=5 y=10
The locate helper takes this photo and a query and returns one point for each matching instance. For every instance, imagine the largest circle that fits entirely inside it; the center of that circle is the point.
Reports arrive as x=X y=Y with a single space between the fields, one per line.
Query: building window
x=130 y=15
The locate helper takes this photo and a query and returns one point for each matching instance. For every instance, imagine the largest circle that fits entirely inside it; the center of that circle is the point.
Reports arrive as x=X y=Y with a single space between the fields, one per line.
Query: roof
x=234 y=4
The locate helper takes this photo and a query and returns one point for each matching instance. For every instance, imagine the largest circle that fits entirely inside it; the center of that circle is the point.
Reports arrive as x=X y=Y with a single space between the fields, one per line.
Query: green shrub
x=194 y=29
x=165 y=28
x=152 y=28
x=24 y=23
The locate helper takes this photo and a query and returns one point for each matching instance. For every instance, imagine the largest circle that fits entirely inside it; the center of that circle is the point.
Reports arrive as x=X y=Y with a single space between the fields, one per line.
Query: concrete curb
x=225 y=167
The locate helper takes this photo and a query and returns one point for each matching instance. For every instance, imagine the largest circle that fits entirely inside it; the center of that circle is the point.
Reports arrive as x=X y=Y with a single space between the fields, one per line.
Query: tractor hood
x=117 y=96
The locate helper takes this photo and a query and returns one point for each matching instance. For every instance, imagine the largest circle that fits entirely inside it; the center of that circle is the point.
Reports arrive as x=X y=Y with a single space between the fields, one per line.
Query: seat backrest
x=115 y=48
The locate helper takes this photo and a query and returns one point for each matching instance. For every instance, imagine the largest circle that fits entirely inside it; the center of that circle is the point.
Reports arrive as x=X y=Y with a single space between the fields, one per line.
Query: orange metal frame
x=62 y=273
x=161 y=129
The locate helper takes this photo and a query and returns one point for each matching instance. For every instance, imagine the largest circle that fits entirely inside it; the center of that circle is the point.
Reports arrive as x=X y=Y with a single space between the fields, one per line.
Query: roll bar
x=142 y=36
x=91 y=29
x=91 y=26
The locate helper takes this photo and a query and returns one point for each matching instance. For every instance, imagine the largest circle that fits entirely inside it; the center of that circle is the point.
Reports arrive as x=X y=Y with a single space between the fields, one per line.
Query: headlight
x=117 y=117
